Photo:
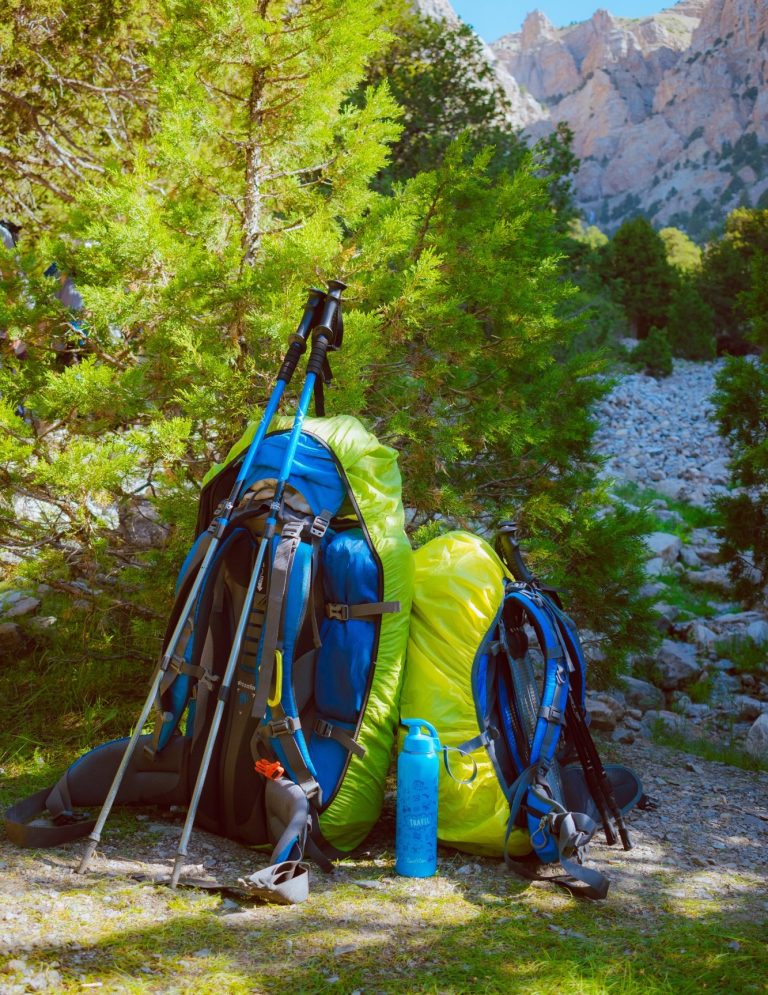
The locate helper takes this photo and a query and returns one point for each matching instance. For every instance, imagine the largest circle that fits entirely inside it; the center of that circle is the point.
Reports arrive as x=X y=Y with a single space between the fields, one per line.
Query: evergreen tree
x=691 y=321
x=255 y=181
x=482 y=387
x=742 y=410
x=441 y=77
x=636 y=265
x=193 y=264
x=75 y=95
x=727 y=277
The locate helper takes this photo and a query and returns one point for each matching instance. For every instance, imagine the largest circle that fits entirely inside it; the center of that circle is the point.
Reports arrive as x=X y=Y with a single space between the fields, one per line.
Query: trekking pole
x=217 y=528
x=322 y=340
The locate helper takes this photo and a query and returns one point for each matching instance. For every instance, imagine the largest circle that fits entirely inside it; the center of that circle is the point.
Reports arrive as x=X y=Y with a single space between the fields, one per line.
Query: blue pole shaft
x=226 y=681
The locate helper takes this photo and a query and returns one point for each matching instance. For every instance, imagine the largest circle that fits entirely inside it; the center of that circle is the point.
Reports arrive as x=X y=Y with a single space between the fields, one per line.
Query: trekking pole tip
x=626 y=839
x=90 y=849
x=178 y=867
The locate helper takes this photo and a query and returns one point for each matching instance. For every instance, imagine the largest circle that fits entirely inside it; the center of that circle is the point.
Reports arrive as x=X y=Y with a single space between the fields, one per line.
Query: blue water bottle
x=418 y=768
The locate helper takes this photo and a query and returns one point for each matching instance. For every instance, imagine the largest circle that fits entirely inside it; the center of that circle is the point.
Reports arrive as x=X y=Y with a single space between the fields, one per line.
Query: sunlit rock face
x=669 y=112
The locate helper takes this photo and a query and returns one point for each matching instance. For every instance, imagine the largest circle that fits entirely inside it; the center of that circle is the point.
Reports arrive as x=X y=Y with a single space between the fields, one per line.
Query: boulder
x=702 y=637
x=655 y=567
x=758 y=632
x=664 y=545
x=672 y=487
x=22 y=607
x=757 y=737
x=690 y=558
x=670 y=722
x=640 y=694
x=605 y=711
x=677 y=664
x=745 y=708
x=622 y=735
x=713 y=577
x=724 y=687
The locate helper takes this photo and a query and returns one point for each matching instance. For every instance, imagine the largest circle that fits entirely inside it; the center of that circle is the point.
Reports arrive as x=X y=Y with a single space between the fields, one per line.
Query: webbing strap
x=327 y=730
x=571 y=830
x=285 y=728
x=366 y=609
x=25 y=825
x=281 y=571
x=484 y=739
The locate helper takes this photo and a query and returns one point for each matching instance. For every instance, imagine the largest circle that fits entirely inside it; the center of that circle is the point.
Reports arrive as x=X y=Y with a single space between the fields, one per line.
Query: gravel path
x=706 y=843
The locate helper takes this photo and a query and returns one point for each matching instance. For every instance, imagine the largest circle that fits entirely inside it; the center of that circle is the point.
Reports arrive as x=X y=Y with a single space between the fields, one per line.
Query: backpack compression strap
x=556 y=834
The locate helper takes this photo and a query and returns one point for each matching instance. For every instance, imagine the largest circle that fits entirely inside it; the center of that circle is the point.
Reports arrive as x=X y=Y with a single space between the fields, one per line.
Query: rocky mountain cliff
x=670 y=112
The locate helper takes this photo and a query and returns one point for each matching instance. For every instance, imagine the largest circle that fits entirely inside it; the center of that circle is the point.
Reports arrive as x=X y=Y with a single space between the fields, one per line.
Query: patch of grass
x=693 y=516
x=686 y=597
x=701 y=691
x=492 y=935
x=747 y=656
x=724 y=753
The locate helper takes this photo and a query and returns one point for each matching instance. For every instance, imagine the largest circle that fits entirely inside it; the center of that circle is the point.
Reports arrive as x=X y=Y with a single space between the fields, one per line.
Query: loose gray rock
x=677 y=664
x=702 y=637
x=724 y=687
x=746 y=709
x=655 y=567
x=605 y=711
x=690 y=558
x=713 y=577
x=623 y=735
x=757 y=737
x=22 y=607
x=641 y=694
x=758 y=632
x=664 y=545
x=669 y=721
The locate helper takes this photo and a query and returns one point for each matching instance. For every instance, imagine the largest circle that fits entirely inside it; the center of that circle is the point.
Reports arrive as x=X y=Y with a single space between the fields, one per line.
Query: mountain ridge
x=669 y=111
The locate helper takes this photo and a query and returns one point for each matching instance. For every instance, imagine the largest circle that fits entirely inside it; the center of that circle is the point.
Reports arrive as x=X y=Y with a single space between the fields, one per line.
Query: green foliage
x=653 y=355
x=690 y=321
x=642 y=279
x=193 y=258
x=720 y=752
x=682 y=252
x=727 y=278
x=439 y=74
x=75 y=96
x=742 y=410
x=747 y=656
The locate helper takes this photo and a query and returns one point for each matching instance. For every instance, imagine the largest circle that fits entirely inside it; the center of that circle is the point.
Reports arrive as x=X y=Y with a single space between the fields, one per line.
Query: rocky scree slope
x=709 y=679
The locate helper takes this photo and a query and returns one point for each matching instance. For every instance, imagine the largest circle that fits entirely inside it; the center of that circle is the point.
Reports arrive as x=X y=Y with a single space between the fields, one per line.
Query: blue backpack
x=472 y=673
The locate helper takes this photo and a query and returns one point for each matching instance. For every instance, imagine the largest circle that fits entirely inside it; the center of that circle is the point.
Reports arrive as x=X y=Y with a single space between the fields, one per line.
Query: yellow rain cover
x=458 y=594
x=374 y=479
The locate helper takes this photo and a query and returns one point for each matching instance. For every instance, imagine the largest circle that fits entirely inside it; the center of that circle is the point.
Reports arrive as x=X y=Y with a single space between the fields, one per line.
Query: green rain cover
x=373 y=478
x=457 y=597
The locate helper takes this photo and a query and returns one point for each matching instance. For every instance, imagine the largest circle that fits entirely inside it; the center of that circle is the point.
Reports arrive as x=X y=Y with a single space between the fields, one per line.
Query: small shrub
x=653 y=355
x=747 y=657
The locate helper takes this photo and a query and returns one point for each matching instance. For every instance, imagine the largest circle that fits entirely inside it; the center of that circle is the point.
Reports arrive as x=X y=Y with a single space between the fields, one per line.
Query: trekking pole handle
x=328 y=325
x=510 y=553
x=299 y=338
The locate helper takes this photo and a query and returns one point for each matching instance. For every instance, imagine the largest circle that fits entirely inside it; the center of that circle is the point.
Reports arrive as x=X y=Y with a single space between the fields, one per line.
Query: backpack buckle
x=319 y=527
x=337 y=611
x=324 y=729
x=286 y=726
x=292 y=530
x=273 y=770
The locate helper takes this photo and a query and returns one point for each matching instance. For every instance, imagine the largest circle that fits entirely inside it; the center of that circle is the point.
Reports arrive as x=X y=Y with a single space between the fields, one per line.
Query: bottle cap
x=416 y=741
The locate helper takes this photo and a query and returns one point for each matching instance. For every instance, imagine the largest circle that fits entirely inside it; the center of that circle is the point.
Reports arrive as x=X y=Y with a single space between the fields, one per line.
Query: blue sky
x=493 y=18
